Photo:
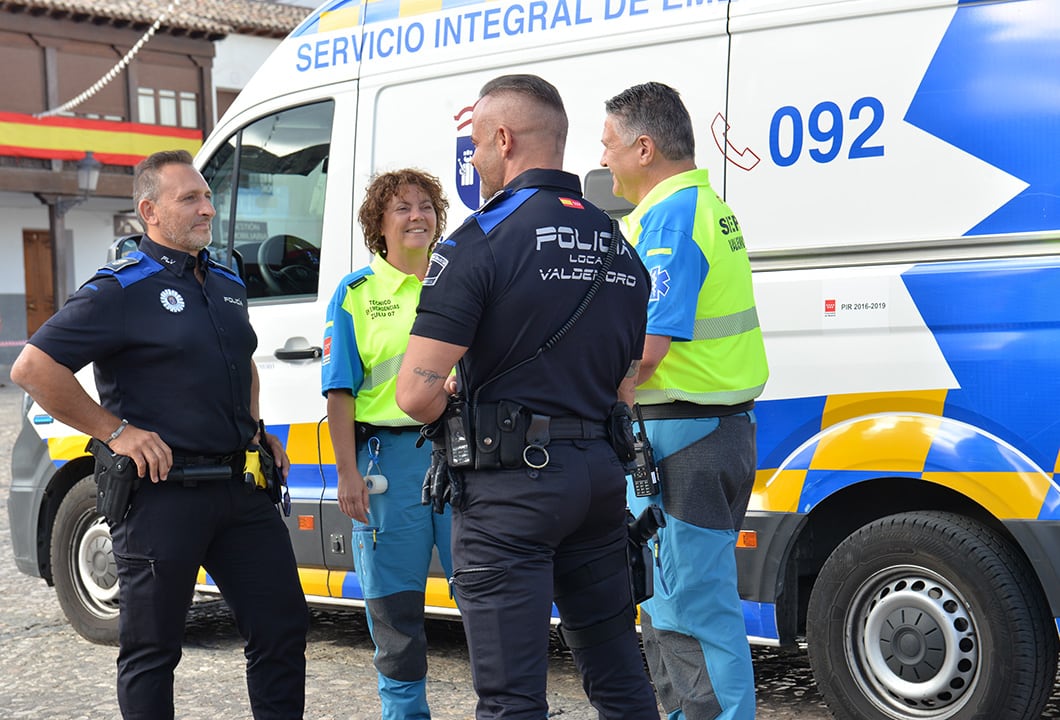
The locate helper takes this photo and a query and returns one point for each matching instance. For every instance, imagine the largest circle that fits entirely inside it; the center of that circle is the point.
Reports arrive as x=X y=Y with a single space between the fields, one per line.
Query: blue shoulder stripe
x=225 y=271
x=498 y=211
x=131 y=269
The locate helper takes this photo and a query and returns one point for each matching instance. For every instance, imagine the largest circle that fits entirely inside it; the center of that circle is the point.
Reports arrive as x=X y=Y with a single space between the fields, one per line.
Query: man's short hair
x=655 y=110
x=145 y=176
x=536 y=89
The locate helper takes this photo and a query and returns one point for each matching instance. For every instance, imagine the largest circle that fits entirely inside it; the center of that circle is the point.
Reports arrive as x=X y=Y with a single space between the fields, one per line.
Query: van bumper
x=1039 y=540
x=31 y=471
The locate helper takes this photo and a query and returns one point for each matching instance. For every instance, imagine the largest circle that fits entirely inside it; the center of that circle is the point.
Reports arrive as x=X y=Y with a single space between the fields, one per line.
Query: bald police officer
x=541 y=514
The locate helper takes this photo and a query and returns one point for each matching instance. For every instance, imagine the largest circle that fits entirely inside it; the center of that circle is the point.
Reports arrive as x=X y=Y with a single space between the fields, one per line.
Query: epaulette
x=129 y=269
x=358 y=278
x=224 y=270
x=500 y=206
x=120 y=263
x=492 y=200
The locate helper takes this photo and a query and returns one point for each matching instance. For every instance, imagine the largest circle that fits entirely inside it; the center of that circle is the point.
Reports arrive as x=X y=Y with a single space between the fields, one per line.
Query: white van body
x=893 y=166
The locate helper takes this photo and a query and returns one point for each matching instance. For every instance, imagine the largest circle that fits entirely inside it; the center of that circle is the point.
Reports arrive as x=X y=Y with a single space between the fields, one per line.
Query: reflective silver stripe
x=716 y=328
x=727 y=397
x=386 y=370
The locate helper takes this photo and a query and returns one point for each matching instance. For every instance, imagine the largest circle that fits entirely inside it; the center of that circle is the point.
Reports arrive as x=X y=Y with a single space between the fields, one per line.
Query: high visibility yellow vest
x=724 y=360
x=383 y=308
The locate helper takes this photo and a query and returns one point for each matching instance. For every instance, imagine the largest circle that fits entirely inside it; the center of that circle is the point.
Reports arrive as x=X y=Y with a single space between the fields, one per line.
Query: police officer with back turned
x=538 y=491
x=169 y=334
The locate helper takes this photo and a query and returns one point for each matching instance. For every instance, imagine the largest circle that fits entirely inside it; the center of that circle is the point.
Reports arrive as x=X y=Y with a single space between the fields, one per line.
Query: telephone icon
x=744 y=159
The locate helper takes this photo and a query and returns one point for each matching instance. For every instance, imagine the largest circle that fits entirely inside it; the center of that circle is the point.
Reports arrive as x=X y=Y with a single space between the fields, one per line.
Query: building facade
x=120 y=80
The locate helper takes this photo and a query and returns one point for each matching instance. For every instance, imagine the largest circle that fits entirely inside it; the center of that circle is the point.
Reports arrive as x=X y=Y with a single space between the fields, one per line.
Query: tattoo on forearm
x=634 y=368
x=430 y=377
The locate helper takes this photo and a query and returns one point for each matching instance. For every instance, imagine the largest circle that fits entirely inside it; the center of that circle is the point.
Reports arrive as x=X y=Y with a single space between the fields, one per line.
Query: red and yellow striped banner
x=112 y=143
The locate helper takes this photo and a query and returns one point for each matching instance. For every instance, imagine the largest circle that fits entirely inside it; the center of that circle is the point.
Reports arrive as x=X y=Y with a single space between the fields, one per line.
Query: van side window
x=269 y=227
x=597 y=188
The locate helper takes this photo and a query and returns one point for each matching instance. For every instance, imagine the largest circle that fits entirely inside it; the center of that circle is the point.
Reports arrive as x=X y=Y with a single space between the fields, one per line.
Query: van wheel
x=83 y=569
x=930 y=616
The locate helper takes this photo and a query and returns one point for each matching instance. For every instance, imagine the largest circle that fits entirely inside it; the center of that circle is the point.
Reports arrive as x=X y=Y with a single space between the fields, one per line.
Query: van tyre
x=930 y=616
x=83 y=569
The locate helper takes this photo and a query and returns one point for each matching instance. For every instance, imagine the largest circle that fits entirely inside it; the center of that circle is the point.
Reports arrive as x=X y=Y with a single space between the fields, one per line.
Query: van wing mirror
x=122 y=247
x=598 y=191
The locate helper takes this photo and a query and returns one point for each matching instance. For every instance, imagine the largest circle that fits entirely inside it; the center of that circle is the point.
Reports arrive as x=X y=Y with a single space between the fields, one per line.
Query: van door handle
x=309 y=353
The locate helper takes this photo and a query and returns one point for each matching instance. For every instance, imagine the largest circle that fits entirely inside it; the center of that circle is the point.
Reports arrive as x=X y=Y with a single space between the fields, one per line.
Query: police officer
x=169 y=333
x=541 y=516
x=703 y=365
x=367 y=329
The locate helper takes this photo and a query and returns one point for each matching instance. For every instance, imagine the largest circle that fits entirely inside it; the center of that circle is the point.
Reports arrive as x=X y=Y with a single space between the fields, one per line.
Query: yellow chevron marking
x=346 y=17
x=67 y=448
x=777 y=491
x=838 y=408
x=302 y=444
x=1006 y=495
x=889 y=444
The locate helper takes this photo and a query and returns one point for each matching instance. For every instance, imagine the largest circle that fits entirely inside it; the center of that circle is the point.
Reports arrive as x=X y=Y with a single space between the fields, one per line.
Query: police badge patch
x=171 y=300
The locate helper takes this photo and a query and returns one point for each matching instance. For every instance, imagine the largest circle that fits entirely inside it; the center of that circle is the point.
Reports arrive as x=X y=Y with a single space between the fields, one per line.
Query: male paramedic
x=539 y=516
x=703 y=364
x=169 y=333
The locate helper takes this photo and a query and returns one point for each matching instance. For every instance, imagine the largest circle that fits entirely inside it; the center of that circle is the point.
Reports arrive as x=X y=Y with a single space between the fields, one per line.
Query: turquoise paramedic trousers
x=693 y=631
x=392 y=556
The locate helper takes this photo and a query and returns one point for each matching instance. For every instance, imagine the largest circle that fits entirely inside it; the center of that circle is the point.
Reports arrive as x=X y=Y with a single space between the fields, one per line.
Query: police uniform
x=174 y=356
x=702 y=428
x=524 y=537
x=365 y=336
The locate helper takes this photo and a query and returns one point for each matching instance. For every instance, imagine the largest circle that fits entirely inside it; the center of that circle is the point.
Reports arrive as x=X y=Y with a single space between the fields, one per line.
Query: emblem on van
x=467 y=180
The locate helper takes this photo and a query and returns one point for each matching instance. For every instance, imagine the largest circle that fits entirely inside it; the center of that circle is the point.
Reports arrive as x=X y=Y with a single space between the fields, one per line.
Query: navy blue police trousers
x=238 y=536
x=524 y=538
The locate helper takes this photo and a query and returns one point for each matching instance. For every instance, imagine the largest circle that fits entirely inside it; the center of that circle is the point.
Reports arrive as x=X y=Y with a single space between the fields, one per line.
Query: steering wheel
x=282 y=279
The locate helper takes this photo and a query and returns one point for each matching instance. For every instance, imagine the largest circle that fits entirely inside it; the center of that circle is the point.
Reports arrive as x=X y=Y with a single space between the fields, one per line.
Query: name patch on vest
x=381 y=309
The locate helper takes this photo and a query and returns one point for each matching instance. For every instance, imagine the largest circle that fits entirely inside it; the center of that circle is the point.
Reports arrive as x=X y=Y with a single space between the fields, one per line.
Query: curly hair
x=385 y=186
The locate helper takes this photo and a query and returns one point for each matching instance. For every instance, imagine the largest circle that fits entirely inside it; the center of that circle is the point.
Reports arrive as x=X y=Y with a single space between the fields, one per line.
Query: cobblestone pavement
x=50 y=673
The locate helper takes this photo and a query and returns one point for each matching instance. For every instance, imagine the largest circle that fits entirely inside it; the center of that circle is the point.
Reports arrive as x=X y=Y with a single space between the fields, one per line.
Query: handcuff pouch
x=500 y=435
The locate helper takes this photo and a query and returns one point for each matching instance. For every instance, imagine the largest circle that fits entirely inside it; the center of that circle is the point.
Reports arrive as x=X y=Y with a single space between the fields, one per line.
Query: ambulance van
x=895 y=165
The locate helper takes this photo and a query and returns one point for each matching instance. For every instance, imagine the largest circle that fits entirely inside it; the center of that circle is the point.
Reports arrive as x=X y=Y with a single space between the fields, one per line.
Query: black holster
x=641 y=558
x=441 y=483
x=116 y=480
x=620 y=432
x=275 y=485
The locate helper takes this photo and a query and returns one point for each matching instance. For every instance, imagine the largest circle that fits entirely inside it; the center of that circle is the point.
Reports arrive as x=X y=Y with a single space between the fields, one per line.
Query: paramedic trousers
x=392 y=556
x=515 y=535
x=693 y=630
x=238 y=536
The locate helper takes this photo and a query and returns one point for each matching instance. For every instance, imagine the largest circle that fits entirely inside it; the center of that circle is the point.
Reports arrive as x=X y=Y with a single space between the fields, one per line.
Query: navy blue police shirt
x=171 y=355
x=513 y=274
